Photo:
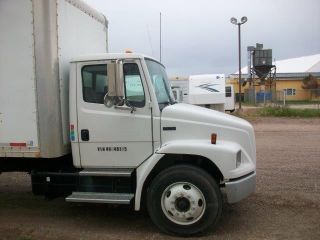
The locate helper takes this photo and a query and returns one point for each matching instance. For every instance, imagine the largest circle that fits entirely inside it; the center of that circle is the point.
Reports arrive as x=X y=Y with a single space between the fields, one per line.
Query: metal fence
x=306 y=98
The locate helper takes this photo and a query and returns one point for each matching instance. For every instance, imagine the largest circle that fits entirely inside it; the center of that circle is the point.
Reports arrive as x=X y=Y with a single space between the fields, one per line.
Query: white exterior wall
x=18 y=112
x=78 y=34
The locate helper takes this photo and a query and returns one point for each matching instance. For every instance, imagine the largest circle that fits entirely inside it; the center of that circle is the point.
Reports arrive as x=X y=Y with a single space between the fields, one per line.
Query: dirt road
x=286 y=204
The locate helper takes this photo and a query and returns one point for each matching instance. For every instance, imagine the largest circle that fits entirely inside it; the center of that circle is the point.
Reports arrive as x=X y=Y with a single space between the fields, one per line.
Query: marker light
x=72 y=133
x=128 y=51
x=18 y=144
x=213 y=138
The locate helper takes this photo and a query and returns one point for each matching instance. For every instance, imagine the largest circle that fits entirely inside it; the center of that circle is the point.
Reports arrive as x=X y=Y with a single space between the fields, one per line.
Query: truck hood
x=188 y=122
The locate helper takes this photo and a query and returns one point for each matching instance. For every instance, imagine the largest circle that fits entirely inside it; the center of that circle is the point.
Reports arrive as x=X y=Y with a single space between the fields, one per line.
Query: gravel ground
x=285 y=206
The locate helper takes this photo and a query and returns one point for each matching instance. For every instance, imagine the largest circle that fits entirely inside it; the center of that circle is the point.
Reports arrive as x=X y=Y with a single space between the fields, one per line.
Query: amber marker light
x=213 y=138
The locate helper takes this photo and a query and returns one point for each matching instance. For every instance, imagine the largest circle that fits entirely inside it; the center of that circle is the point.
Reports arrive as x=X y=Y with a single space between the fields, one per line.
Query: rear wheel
x=184 y=200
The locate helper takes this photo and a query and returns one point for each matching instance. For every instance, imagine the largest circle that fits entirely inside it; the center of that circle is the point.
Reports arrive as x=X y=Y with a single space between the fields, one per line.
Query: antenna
x=160 y=36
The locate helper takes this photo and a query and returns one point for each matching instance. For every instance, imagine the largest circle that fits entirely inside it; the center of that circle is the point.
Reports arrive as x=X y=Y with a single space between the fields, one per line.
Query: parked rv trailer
x=207 y=90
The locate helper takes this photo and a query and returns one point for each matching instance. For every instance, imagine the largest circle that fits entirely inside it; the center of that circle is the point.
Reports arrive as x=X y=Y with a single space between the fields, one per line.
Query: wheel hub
x=183 y=203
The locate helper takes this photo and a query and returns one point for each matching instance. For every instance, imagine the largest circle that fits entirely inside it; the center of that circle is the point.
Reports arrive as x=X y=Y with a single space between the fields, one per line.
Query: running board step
x=106 y=172
x=89 y=197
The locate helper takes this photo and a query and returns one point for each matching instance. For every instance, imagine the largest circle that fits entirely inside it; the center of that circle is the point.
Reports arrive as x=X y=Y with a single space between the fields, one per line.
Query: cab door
x=116 y=136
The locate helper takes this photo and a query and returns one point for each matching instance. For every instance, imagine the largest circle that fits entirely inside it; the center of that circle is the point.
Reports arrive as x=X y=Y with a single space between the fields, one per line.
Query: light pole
x=235 y=22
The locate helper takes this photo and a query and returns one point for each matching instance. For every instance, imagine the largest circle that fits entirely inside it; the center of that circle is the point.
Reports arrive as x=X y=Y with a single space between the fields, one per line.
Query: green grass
x=302 y=101
x=288 y=112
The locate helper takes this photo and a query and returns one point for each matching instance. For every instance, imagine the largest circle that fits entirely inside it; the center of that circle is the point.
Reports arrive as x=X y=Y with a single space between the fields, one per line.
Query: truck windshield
x=160 y=83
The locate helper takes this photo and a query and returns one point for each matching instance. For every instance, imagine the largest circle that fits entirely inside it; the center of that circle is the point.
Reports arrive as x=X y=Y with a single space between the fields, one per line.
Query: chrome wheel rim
x=183 y=203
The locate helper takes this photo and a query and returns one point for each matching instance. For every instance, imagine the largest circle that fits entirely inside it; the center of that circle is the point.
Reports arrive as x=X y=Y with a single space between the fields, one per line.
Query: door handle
x=131 y=109
x=85 y=135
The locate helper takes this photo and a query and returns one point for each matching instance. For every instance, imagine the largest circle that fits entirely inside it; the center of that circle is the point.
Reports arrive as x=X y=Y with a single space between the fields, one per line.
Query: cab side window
x=94 y=83
x=133 y=85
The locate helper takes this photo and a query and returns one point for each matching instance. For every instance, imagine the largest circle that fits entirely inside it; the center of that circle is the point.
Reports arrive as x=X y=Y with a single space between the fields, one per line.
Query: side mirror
x=114 y=96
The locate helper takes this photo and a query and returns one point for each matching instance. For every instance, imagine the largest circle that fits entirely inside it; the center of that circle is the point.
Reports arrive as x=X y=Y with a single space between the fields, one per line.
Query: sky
x=198 y=38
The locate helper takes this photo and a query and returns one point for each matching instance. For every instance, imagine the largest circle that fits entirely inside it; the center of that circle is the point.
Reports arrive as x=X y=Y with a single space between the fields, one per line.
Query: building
x=289 y=78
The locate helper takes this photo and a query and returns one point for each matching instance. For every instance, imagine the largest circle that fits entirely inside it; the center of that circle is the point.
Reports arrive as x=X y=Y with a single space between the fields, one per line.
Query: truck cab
x=126 y=133
x=173 y=158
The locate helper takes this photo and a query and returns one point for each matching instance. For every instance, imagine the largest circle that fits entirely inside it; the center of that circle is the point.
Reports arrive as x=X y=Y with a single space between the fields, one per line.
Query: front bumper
x=240 y=188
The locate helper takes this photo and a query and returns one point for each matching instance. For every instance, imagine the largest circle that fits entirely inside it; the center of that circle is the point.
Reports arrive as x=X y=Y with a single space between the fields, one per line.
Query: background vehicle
x=130 y=142
x=205 y=90
x=230 y=98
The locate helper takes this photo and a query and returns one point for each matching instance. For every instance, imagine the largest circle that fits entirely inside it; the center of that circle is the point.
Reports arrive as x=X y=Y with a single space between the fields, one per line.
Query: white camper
x=207 y=90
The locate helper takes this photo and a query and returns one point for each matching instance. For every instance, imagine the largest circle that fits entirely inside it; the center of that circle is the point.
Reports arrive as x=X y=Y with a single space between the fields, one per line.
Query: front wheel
x=184 y=200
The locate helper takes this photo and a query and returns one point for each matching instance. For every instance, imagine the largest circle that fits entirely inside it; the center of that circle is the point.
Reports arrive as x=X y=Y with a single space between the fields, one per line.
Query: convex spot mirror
x=114 y=96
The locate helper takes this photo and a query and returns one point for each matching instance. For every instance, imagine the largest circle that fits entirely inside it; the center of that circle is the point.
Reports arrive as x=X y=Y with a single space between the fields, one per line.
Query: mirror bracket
x=133 y=108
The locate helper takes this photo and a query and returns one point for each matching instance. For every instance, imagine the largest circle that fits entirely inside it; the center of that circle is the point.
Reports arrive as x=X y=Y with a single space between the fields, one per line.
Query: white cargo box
x=38 y=38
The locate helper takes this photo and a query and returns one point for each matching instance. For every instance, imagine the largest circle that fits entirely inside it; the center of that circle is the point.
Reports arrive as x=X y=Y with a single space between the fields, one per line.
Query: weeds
x=288 y=112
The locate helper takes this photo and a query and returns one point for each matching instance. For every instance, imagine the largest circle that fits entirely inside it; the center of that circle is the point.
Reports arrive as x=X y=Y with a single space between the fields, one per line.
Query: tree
x=310 y=82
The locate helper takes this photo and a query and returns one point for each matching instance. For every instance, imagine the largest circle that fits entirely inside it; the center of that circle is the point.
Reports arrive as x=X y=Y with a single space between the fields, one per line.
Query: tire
x=184 y=200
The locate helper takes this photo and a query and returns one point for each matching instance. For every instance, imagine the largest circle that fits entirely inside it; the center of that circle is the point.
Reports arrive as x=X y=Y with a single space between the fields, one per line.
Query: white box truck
x=111 y=132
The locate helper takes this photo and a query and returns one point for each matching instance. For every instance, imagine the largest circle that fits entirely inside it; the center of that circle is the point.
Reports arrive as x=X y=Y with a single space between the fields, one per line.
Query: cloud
x=198 y=36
